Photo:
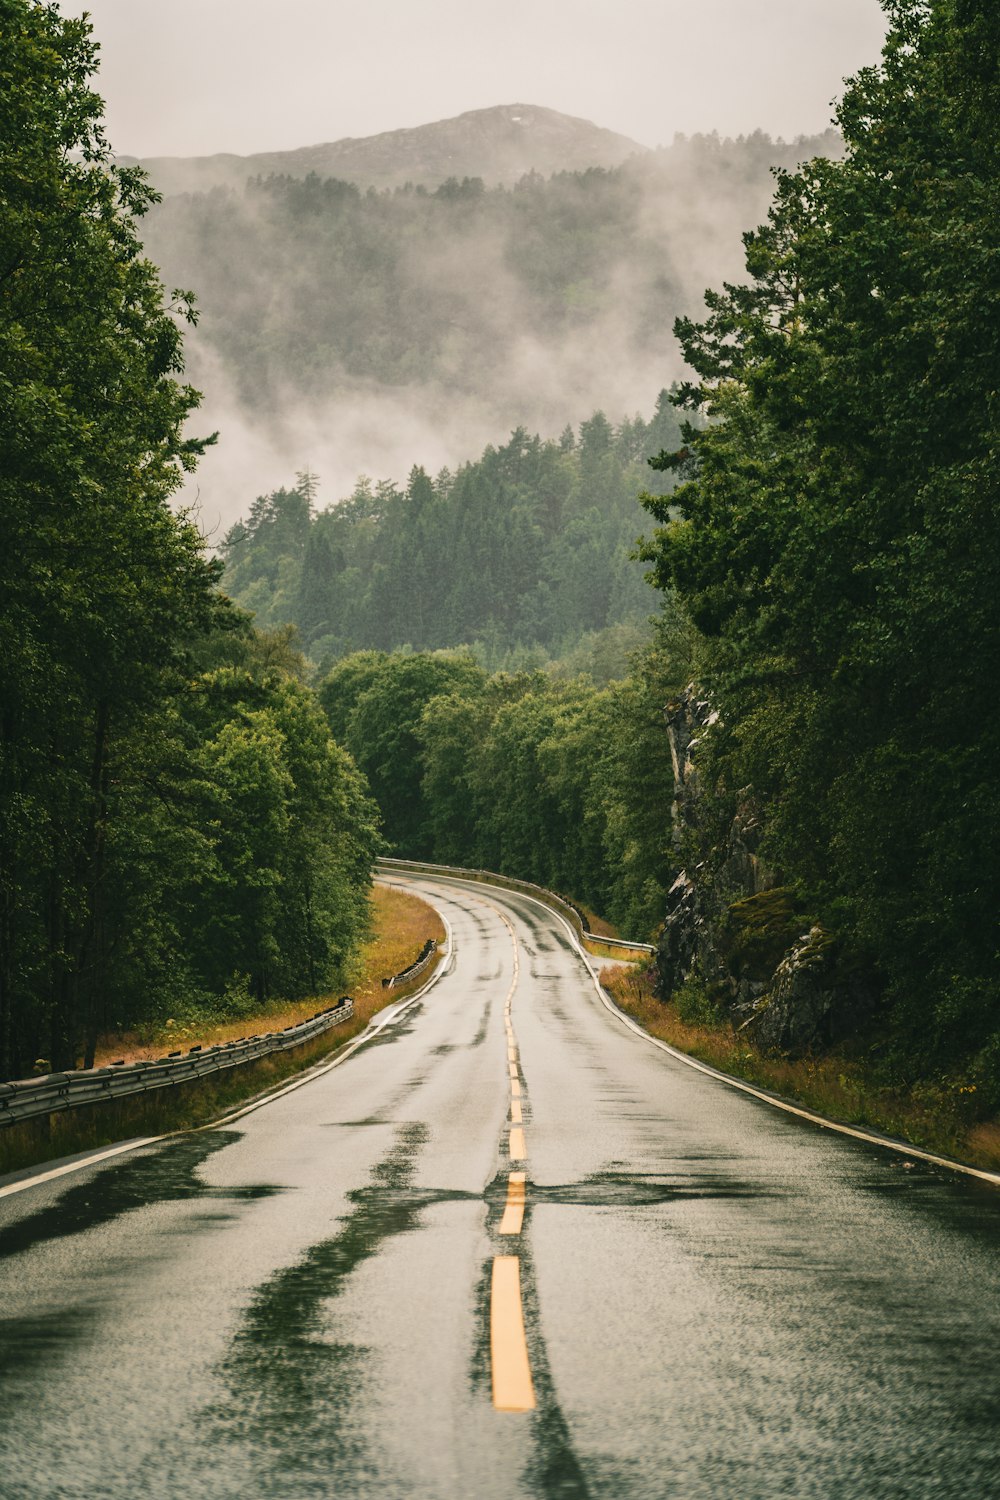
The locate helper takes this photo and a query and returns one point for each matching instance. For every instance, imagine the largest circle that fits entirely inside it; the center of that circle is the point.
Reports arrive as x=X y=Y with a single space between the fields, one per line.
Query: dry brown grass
x=597 y=949
x=838 y=1086
x=598 y=926
x=401 y=924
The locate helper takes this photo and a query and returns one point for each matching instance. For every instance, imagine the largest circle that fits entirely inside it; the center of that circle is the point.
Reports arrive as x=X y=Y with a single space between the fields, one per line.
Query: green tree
x=172 y=807
x=99 y=580
x=379 y=701
x=838 y=540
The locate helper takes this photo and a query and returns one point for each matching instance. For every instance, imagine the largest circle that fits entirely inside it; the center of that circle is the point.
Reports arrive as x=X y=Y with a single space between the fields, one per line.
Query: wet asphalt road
x=720 y=1300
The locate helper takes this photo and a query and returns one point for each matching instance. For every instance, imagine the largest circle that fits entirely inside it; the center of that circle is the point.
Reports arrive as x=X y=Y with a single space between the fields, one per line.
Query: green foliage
x=838 y=531
x=316 y=287
x=375 y=702
x=759 y=930
x=546 y=779
x=161 y=826
x=697 y=1007
x=529 y=548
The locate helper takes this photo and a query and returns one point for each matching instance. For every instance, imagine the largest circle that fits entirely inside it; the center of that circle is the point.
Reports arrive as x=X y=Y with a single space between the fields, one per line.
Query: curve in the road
x=505 y=1248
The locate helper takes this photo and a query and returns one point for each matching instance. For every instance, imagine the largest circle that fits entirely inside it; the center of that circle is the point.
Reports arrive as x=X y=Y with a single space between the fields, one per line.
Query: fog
x=352 y=333
x=383 y=432
x=372 y=358
x=187 y=77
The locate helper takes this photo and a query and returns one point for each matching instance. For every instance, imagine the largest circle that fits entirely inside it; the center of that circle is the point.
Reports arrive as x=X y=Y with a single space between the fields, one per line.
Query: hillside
x=354 y=332
x=524 y=554
x=499 y=145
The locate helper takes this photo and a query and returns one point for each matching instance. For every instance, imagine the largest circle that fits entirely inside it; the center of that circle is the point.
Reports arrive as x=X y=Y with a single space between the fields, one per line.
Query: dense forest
x=559 y=782
x=316 y=284
x=355 y=331
x=189 y=809
x=838 y=544
x=530 y=548
x=177 y=826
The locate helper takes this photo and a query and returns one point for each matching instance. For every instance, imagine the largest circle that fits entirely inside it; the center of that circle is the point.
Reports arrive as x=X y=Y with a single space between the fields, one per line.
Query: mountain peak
x=499 y=144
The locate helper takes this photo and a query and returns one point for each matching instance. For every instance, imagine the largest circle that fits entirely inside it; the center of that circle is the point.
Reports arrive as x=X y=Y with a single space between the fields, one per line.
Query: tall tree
x=99 y=579
x=839 y=542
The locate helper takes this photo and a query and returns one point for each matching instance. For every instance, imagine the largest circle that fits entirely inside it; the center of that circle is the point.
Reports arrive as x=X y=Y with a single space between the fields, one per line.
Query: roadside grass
x=598 y=926
x=402 y=923
x=837 y=1084
x=597 y=949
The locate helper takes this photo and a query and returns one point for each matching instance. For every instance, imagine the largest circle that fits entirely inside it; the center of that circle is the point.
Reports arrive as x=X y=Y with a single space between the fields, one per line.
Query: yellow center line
x=513 y=1072
x=517 y=1147
x=512 y=1386
x=513 y=1214
x=515 y=1085
x=512 y=1054
x=515 y=1111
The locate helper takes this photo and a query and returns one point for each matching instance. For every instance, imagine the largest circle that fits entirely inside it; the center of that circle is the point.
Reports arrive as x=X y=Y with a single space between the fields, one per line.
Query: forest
x=527 y=553
x=555 y=781
x=353 y=331
x=310 y=285
x=829 y=538
x=835 y=539
x=197 y=751
x=178 y=829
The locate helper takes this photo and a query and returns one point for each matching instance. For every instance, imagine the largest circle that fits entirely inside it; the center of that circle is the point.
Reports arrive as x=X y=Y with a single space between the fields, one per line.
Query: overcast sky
x=191 y=77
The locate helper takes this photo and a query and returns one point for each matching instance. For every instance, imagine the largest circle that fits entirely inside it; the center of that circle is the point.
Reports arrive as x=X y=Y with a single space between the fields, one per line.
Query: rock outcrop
x=731 y=927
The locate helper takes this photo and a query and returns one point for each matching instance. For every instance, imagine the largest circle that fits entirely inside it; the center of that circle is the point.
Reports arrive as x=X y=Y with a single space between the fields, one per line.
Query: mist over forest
x=443 y=644
x=360 y=331
x=525 y=555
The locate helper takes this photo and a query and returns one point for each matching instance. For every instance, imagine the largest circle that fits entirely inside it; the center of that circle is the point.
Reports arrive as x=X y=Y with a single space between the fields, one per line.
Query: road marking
x=346 y=1050
x=517 y=1148
x=515 y=1111
x=870 y=1137
x=515 y=1088
x=513 y=1214
x=512 y=1054
x=513 y=1072
x=76 y=1166
x=512 y=1387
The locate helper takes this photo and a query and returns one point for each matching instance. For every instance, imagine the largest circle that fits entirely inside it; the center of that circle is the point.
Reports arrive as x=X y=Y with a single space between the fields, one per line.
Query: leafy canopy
x=837 y=534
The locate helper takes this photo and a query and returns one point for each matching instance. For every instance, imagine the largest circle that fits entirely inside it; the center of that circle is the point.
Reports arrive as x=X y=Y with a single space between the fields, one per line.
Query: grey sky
x=191 y=77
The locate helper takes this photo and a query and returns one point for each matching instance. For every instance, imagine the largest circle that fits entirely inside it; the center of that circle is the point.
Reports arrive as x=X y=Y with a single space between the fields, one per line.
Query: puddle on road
x=291 y=1386
x=37 y=1340
x=391 y=1031
x=168 y=1174
x=550 y=1468
x=639 y=1190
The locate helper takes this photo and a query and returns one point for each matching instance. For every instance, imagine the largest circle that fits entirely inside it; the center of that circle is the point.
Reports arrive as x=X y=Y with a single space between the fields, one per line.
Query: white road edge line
x=378 y=1023
x=869 y=1137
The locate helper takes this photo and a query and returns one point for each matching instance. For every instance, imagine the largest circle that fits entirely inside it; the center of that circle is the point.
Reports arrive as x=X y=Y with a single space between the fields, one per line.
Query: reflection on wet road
x=507 y=1249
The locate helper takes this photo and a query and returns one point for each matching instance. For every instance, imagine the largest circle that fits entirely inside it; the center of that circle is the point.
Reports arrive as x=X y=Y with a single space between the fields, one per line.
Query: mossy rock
x=758 y=931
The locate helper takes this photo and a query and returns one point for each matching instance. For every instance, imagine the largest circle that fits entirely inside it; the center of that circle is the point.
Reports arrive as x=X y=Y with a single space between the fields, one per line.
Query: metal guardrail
x=425 y=959
x=30 y=1097
x=565 y=908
